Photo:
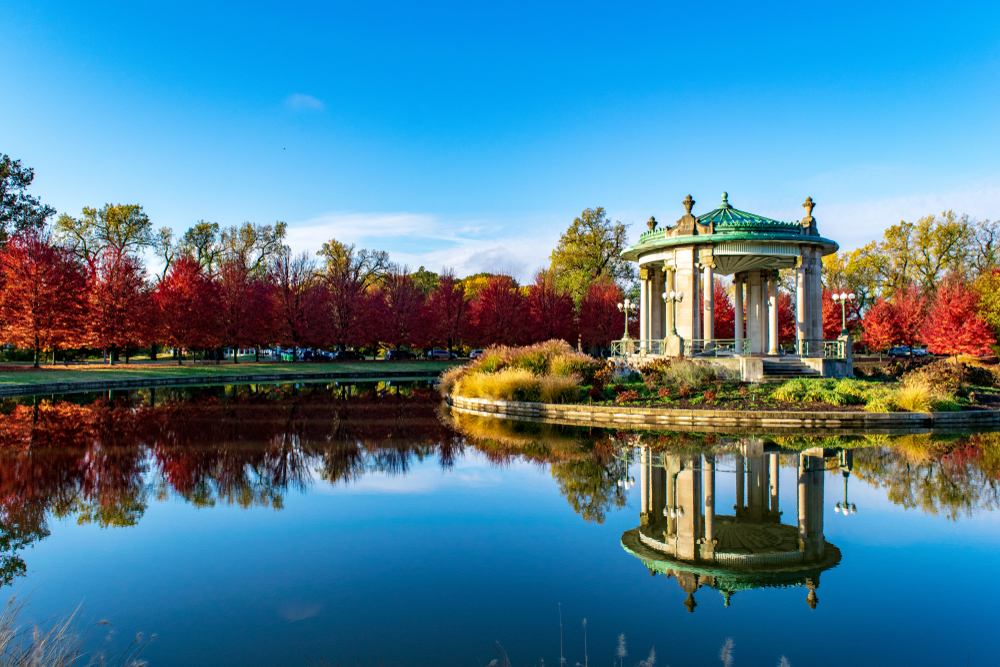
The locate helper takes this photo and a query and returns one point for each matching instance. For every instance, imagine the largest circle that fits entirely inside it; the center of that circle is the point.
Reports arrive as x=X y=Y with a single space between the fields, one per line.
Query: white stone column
x=643 y=304
x=754 y=312
x=709 y=325
x=695 y=303
x=800 y=306
x=656 y=318
x=772 y=306
x=738 y=288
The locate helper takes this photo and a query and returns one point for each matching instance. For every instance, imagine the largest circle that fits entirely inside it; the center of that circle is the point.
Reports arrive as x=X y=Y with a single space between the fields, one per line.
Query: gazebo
x=677 y=268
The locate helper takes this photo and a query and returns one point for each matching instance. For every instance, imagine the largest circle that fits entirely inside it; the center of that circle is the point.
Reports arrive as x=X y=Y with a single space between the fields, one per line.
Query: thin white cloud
x=413 y=239
x=299 y=101
x=853 y=224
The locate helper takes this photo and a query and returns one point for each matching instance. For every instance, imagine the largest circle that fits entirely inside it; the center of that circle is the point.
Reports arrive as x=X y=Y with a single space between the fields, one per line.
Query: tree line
x=81 y=283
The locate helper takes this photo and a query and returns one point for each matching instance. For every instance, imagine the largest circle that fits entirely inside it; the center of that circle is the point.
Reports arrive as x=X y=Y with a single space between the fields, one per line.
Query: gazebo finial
x=652 y=223
x=725 y=199
x=688 y=204
x=809 y=206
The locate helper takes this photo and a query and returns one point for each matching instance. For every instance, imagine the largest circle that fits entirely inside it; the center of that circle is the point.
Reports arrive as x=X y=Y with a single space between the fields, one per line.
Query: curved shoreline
x=84 y=386
x=734 y=421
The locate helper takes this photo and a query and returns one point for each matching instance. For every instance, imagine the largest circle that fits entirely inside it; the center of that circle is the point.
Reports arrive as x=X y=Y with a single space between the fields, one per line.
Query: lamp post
x=846 y=460
x=628 y=308
x=673 y=298
x=843 y=298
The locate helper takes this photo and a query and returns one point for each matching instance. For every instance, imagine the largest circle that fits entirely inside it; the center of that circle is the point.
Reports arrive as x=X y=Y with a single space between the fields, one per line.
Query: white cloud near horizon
x=414 y=239
x=306 y=102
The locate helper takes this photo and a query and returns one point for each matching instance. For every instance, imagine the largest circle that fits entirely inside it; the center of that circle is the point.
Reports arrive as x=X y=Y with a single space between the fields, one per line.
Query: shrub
x=627 y=396
x=686 y=373
x=684 y=391
x=510 y=384
x=710 y=395
x=663 y=392
x=915 y=397
x=651 y=382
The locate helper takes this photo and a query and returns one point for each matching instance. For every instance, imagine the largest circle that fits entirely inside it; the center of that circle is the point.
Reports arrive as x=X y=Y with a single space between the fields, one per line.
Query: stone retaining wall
x=258 y=378
x=736 y=421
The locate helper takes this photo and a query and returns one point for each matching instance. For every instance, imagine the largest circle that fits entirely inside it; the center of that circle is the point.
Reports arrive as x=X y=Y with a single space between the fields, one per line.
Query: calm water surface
x=272 y=525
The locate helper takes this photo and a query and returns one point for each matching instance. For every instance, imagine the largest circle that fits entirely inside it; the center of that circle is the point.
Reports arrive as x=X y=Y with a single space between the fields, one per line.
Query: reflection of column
x=775 y=469
x=810 y=493
x=709 y=322
x=708 y=474
x=689 y=510
x=754 y=489
x=738 y=285
x=644 y=484
x=739 y=485
x=673 y=466
x=772 y=307
x=657 y=491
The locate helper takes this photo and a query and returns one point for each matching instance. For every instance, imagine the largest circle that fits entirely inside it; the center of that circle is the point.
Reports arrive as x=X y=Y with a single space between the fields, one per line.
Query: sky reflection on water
x=429 y=553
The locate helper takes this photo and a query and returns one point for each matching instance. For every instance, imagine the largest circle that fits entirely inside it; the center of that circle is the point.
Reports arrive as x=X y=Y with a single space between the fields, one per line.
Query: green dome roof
x=726 y=218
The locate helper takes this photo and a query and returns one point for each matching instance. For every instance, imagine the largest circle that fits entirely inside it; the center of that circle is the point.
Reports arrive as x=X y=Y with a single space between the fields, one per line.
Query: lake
x=366 y=524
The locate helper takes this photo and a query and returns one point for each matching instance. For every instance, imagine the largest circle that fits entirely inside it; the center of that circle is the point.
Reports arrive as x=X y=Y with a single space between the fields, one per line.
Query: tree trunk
x=111 y=355
x=236 y=355
x=152 y=351
x=37 y=351
x=256 y=355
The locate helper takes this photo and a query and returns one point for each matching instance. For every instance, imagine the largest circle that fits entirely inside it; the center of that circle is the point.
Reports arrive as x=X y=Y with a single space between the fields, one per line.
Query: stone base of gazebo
x=821 y=359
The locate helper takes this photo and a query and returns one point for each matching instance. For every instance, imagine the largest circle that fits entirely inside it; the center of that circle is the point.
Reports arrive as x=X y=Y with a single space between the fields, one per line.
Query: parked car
x=907 y=351
x=399 y=355
x=441 y=354
x=475 y=354
x=348 y=355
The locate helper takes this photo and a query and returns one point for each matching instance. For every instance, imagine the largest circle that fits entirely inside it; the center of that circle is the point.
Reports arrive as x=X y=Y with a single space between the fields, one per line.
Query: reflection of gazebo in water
x=681 y=536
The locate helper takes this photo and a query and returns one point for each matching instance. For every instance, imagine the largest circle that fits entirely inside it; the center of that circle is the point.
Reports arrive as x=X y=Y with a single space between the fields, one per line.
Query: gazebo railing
x=634 y=346
x=828 y=349
x=716 y=347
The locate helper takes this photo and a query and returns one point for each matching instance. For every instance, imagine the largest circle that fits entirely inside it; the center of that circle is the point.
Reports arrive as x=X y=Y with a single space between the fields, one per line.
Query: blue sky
x=470 y=136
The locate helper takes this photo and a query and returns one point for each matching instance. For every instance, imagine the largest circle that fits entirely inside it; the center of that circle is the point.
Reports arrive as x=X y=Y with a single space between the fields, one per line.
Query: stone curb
x=607 y=415
x=13 y=390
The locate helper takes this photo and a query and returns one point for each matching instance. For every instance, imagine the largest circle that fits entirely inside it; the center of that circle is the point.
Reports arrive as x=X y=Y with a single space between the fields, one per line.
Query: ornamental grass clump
x=692 y=375
x=916 y=395
x=551 y=372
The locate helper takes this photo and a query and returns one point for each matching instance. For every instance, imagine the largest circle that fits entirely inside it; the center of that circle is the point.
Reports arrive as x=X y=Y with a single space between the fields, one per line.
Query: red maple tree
x=189 y=307
x=953 y=325
x=404 y=314
x=121 y=304
x=600 y=320
x=786 y=317
x=881 y=329
x=550 y=311
x=447 y=312
x=498 y=313
x=299 y=302
x=724 y=319
x=910 y=310
x=43 y=304
x=246 y=308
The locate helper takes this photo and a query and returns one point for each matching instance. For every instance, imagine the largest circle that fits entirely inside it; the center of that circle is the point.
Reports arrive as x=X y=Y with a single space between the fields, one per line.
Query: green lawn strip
x=157 y=370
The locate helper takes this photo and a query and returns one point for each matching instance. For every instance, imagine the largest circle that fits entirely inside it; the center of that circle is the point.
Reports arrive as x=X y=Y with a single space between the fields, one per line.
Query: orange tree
x=953 y=325
x=42 y=294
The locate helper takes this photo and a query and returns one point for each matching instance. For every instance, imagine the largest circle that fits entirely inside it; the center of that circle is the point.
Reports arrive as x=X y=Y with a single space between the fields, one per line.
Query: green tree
x=124 y=228
x=589 y=250
x=202 y=242
x=426 y=280
x=18 y=209
x=254 y=246
x=367 y=267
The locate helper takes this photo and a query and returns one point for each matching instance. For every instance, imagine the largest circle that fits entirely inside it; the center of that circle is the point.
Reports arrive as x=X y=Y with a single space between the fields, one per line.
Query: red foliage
x=550 y=311
x=786 y=317
x=725 y=311
x=122 y=309
x=953 y=325
x=404 y=322
x=189 y=308
x=299 y=302
x=246 y=308
x=910 y=310
x=881 y=326
x=498 y=313
x=447 y=312
x=43 y=302
x=600 y=320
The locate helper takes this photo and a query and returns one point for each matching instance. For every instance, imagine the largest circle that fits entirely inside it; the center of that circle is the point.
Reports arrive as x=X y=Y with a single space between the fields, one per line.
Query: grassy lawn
x=14 y=374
